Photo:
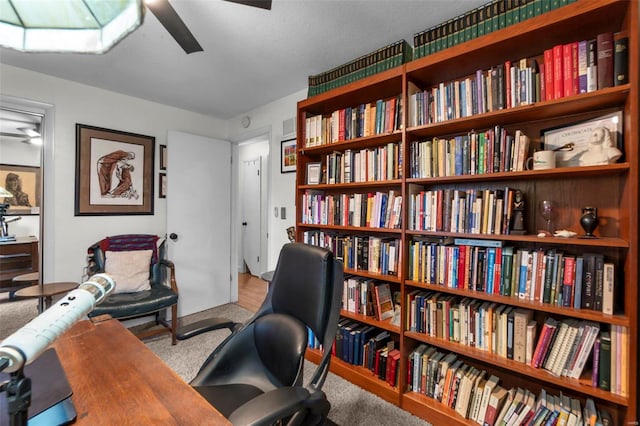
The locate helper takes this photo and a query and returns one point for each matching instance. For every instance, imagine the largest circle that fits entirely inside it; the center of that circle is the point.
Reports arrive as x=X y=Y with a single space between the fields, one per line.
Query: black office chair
x=255 y=376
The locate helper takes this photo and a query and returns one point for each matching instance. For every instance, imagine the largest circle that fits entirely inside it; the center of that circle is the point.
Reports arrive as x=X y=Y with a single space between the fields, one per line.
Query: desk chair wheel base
x=203 y=326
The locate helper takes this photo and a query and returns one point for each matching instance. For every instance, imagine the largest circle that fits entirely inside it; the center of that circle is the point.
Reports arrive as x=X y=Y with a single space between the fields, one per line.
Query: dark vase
x=589 y=221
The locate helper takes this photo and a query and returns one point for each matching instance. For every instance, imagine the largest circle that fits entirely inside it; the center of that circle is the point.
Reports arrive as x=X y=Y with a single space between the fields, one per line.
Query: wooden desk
x=117 y=380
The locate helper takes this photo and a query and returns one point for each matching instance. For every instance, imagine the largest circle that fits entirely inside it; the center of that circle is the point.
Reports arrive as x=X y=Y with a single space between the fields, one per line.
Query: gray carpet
x=350 y=404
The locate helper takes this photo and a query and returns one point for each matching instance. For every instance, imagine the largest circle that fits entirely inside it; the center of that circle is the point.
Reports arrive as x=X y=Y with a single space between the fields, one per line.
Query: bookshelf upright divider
x=410 y=217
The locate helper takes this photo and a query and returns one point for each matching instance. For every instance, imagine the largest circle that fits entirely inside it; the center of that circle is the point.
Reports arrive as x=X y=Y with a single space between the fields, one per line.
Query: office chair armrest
x=172 y=273
x=271 y=406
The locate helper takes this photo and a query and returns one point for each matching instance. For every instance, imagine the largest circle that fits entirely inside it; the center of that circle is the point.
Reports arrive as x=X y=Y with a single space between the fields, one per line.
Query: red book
x=568 y=280
x=462 y=258
x=507 y=83
x=604 y=49
x=392 y=363
x=497 y=269
x=548 y=74
x=341 y=129
x=546 y=335
x=558 y=75
x=567 y=67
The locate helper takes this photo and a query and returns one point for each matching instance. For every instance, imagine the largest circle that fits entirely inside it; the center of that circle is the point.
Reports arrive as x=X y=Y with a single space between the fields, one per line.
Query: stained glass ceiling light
x=86 y=26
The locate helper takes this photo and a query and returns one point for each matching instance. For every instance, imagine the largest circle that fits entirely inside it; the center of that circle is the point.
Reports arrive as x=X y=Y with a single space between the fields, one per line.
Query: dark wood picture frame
x=162 y=185
x=288 y=156
x=27 y=193
x=163 y=157
x=114 y=172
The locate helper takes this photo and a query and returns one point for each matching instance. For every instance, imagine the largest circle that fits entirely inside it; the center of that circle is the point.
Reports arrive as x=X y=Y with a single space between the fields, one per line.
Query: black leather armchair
x=255 y=376
x=154 y=301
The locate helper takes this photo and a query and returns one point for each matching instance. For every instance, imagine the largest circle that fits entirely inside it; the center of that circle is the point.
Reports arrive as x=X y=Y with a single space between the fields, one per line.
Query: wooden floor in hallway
x=251 y=291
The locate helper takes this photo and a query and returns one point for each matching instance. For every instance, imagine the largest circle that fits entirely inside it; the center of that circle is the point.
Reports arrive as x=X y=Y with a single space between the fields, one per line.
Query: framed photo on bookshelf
x=114 y=172
x=596 y=139
x=314 y=173
x=288 y=156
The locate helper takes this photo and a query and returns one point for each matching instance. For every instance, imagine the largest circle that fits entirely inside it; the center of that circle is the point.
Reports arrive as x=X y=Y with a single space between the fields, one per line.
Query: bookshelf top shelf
x=572 y=22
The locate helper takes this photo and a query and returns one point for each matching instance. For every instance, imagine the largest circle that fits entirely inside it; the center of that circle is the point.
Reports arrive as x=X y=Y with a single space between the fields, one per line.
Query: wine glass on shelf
x=547 y=210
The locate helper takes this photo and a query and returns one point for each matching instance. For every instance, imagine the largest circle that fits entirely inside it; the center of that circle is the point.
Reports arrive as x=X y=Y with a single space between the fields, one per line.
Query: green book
x=467 y=24
x=480 y=21
x=537 y=7
x=488 y=18
x=495 y=15
x=516 y=11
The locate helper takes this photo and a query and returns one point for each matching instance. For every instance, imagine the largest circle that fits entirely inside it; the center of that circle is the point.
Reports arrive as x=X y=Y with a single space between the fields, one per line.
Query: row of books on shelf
x=368 y=297
x=503 y=86
x=373 y=118
x=471 y=211
x=563 y=348
x=360 y=253
x=365 y=165
x=478 y=396
x=568 y=69
x=369 y=347
x=477 y=22
x=382 y=59
x=585 y=66
x=490 y=151
x=584 y=281
x=372 y=210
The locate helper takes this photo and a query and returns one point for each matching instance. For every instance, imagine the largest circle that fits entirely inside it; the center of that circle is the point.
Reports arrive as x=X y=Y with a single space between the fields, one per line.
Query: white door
x=251 y=209
x=199 y=214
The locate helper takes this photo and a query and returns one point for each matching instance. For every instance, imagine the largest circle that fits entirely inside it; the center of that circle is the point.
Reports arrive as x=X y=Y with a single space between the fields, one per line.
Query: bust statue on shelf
x=601 y=149
x=517 y=225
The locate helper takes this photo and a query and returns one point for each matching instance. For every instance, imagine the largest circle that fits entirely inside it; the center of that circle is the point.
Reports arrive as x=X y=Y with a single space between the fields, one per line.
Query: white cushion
x=129 y=269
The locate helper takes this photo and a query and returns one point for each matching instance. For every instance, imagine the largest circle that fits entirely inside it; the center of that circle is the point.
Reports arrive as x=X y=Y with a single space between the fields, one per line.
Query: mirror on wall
x=21 y=143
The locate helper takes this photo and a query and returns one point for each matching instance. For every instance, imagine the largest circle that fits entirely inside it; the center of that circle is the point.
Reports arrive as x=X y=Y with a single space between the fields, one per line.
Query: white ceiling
x=251 y=56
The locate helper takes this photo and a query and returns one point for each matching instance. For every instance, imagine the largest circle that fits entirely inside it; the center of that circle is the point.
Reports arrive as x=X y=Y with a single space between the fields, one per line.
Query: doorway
x=253 y=160
x=21 y=175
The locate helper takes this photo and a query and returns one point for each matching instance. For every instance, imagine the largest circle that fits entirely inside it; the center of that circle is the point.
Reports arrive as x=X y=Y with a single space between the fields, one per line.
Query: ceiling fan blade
x=170 y=19
x=262 y=4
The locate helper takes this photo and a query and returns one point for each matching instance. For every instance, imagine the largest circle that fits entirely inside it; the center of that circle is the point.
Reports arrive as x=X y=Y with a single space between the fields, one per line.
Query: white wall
x=268 y=119
x=76 y=103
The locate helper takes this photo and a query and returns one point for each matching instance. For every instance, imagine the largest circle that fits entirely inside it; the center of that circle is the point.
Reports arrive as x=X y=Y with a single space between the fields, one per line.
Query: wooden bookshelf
x=612 y=188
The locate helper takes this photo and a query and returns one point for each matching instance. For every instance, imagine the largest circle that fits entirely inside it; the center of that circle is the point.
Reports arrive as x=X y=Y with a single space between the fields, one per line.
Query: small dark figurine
x=517 y=225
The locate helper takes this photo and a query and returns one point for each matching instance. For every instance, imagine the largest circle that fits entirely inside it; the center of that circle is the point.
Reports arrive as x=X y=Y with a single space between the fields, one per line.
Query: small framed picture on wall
x=162 y=187
x=288 y=156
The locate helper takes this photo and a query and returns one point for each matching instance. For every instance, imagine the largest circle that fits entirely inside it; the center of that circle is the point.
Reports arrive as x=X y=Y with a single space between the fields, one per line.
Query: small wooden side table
x=46 y=291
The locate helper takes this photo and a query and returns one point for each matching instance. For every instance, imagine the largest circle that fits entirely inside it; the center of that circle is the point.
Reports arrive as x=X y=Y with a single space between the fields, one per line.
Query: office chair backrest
x=308 y=284
x=299 y=286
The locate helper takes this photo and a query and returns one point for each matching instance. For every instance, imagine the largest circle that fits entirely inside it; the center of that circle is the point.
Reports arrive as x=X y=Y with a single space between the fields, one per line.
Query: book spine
x=604 y=49
x=620 y=59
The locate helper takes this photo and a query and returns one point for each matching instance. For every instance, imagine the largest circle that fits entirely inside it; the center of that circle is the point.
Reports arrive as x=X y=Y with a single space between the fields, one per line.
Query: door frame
x=258 y=136
x=47 y=214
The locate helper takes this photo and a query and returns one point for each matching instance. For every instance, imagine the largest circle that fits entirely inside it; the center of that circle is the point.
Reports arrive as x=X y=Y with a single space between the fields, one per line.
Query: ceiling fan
x=169 y=18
